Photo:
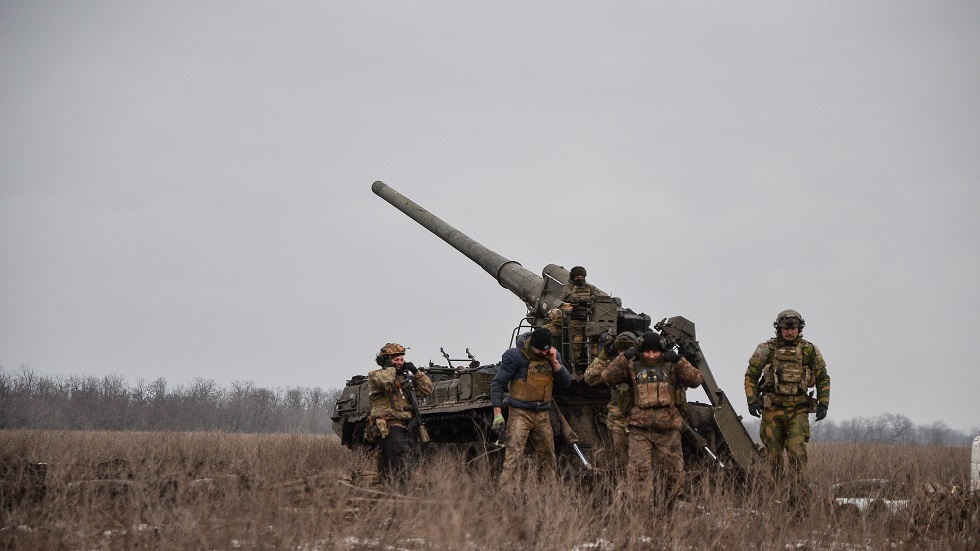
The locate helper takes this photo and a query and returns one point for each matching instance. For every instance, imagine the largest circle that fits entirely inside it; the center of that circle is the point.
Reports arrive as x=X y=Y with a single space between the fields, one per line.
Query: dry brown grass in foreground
x=232 y=491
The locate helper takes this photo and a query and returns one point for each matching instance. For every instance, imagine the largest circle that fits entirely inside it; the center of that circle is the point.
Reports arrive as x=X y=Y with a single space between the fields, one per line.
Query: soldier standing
x=788 y=366
x=621 y=397
x=577 y=296
x=528 y=374
x=659 y=379
x=391 y=411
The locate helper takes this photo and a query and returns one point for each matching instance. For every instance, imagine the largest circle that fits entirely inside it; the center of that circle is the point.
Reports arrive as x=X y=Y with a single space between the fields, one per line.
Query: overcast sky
x=185 y=186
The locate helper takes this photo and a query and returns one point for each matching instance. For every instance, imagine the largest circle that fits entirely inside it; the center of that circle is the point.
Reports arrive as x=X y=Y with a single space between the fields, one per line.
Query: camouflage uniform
x=615 y=419
x=655 y=421
x=572 y=295
x=529 y=381
x=390 y=415
x=556 y=321
x=787 y=369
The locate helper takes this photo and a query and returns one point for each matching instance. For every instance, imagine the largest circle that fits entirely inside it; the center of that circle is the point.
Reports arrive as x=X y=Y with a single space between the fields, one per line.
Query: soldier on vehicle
x=391 y=412
x=577 y=297
x=780 y=372
x=556 y=320
x=658 y=378
x=621 y=397
x=528 y=375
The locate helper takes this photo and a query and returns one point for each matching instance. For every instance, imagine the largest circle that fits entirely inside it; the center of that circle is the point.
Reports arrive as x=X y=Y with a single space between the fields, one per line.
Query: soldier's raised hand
x=411 y=367
x=821 y=411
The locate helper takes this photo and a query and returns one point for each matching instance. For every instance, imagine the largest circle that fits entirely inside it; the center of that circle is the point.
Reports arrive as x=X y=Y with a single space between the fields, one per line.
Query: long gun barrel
x=529 y=287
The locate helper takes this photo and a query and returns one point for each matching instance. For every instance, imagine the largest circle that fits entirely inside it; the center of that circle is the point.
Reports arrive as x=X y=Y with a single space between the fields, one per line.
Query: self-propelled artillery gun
x=459 y=412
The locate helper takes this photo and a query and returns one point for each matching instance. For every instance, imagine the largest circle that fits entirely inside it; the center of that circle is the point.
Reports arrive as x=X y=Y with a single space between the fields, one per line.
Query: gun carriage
x=459 y=411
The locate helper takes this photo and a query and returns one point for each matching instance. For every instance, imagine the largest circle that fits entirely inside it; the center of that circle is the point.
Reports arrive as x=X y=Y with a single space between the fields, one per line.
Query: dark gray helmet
x=789 y=318
x=624 y=341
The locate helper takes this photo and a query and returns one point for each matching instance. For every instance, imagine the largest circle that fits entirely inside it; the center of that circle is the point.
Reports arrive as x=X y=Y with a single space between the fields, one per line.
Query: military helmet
x=555 y=315
x=577 y=271
x=624 y=341
x=789 y=318
x=392 y=349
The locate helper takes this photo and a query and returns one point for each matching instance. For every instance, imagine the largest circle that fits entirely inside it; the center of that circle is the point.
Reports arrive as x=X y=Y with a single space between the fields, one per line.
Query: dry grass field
x=217 y=491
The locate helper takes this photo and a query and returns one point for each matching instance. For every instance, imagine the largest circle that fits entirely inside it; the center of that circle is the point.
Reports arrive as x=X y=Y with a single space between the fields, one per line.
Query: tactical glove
x=755 y=410
x=821 y=411
x=498 y=422
x=671 y=357
x=411 y=367
x=631 y=353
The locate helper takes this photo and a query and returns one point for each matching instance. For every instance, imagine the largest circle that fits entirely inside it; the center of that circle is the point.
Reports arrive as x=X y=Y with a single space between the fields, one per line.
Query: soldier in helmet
x=577 y=297
x=528 y=375
x=621 y=397
x=658 y=378
x=780 y=372
x=391 y=411
x=556 y=320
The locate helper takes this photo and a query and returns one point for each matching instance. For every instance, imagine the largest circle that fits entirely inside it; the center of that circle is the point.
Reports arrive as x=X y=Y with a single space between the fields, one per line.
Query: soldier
x=528 y=374
x=621 y=397
x=659 y=379
x=391 y=411
x=788 y=365
x=556 y=320
x=577 y=296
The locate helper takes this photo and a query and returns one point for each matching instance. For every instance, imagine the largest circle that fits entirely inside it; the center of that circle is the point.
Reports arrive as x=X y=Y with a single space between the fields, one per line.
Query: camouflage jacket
x=572 y=294
x=681 y=375
x=620 y=396
x=389 y=399
x=756 y=384
x=593 y=375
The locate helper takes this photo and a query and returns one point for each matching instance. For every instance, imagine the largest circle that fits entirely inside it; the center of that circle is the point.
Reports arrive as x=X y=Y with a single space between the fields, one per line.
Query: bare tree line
x=887 y=428
x=29 y=400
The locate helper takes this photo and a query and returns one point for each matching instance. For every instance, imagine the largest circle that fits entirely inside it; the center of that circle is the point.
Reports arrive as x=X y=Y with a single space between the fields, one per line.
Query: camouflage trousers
x=786 y=428
x=583 y=349
x=522 y=423
x=650 y=448
x=616 y=424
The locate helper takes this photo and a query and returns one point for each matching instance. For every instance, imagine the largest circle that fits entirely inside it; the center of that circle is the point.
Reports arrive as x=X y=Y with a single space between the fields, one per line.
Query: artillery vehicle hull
x=459 y=413
x=459 y=410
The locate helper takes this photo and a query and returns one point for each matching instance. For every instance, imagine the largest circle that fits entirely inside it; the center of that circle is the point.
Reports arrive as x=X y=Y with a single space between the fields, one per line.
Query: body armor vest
x=787 y=373
x=654 y=388
x=579 y=292
x=537 y=387
x=387 y=380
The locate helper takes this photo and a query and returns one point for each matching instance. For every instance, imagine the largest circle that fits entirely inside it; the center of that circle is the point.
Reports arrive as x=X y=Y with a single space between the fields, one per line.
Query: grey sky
x=185 y=186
